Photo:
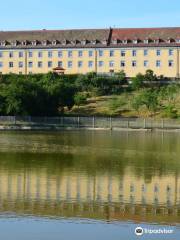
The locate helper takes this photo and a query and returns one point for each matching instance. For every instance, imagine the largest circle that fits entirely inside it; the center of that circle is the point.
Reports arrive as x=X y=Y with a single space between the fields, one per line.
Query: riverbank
x=87 y=123
x=60 y=128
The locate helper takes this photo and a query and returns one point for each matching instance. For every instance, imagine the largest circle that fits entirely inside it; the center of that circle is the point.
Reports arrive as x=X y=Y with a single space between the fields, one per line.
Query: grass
x=116 y=105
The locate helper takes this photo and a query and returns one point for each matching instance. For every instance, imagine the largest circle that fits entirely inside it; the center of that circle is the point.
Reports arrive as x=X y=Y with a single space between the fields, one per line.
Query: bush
x=170 y=112
x=138 y=81
x=80 y=99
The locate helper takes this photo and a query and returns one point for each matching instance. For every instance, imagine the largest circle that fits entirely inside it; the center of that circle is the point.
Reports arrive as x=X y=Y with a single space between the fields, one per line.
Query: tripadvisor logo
x=139 y=231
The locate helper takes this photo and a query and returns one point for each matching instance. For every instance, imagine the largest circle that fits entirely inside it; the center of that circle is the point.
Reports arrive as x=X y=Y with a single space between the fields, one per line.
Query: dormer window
x=24 y=43
x=44 y=42
x=74 y=42
x=169 y=40
x=157 y=40
x=135 y=41
x=14 y=43
x=94 y=42
x=64 y=42
x=114 y=41
x=34 y=43
x=54 y=42
x=146 y=41
x=3 y=43
x=84 y=42
x=104 y=41
x=178 y=40
x=124 y=41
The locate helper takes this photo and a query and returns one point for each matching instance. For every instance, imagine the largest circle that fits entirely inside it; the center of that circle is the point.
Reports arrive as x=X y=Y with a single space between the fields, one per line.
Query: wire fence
x=91 y=122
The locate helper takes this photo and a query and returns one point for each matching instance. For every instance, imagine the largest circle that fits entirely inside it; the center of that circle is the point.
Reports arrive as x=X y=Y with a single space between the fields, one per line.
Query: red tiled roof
x=144 y=33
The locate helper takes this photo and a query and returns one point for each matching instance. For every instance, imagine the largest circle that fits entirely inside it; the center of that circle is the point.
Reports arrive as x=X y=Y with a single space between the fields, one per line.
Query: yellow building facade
x=83 y=51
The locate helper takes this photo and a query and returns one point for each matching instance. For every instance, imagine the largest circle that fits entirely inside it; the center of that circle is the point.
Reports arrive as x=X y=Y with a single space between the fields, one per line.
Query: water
x=89 y=185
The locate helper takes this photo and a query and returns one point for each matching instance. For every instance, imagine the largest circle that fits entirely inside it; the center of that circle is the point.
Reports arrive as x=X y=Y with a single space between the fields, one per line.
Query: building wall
x=40 y=185
x=94 y=60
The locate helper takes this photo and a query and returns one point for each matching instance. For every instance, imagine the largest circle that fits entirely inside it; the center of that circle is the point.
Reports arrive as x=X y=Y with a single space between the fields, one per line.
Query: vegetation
x=51 y=94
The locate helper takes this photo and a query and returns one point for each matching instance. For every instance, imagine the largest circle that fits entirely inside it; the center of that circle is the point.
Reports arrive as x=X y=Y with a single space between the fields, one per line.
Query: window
x=60 y=54
x=60 y=64
x=170 y=63
x=101 y=64
x=158 y=63
x=90 y=53
x=20 y=64
x=134 y=53
x=70 y=64
x=145 y=63
x=1 y=64
x=90 y=64
x=40 y=64
x=111 y=53
x=30 y=64
x=69 y=53
x=80 y=53
x=1 y=54
x=170 y=52
x=20 y=54
x=50 y=54
x=80 y=64
x=49 y=64
x=101 y=53
x=123 y=64
x=40 y=54
x=11 y=64
x=111 y=64
x=30 y=54
x=11 y=54
x=158 y=52
x=134 y=63
x=123 y=53
x=145 y=52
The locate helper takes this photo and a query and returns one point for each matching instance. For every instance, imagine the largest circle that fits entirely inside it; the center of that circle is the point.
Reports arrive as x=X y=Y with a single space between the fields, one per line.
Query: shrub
x=138 y=81
x=80 y=99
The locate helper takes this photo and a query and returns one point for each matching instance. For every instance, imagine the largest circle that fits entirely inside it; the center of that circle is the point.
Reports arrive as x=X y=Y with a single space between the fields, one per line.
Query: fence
x=90 y=122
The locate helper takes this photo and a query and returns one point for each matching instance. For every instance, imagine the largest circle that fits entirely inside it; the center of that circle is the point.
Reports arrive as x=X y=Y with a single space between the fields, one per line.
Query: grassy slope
x=116 y=105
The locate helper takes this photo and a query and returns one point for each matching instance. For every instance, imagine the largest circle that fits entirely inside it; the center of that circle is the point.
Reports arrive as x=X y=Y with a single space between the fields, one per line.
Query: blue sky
x=57 y=14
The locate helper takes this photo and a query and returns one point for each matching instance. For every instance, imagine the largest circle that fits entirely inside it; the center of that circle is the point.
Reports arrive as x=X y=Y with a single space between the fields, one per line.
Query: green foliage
x=138 y=81
x=80 y=99
x=169 y=93
x=49 y=94
x=170 y=112
x=148 y=98
x=36 y=95
x=116 y=103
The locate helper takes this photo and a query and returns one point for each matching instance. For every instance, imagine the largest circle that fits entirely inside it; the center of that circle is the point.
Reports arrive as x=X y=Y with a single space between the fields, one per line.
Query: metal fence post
x=128 y=123
x=93 y=122
x=144 y=123
x=162 y=123
x=78 y=121
x=110 y=122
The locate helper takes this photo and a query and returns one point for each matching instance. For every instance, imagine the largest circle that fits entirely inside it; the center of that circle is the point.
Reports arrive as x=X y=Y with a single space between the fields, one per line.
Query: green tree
x=80 y=99
x=138 y=81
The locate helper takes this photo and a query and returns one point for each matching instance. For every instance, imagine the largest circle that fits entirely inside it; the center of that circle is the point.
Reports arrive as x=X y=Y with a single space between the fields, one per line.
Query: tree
x=138 y=81
x=148 y=98
x=120 y=77
x=79 y=99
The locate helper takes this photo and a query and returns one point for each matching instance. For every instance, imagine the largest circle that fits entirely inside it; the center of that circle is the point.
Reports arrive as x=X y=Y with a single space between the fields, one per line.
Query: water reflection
x=115 y=176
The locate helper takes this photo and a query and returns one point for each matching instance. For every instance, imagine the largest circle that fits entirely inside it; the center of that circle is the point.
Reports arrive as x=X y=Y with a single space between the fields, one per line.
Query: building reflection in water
x=88 y=175
x=100 y=196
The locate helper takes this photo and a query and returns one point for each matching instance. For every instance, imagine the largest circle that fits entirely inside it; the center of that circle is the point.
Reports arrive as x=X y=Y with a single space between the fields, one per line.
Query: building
x=100 y=50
